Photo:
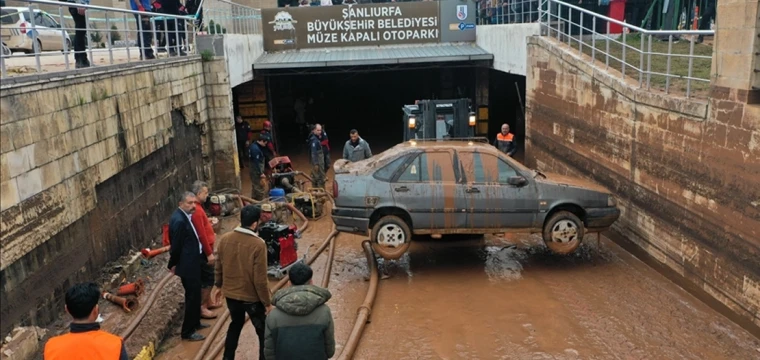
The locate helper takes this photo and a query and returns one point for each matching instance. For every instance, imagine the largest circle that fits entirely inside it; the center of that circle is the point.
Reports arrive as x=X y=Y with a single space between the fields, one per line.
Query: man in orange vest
x=505 y=141
x=86 y=340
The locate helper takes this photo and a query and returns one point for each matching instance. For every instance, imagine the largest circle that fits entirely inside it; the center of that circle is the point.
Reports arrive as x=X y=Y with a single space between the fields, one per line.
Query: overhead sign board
x=365 y=25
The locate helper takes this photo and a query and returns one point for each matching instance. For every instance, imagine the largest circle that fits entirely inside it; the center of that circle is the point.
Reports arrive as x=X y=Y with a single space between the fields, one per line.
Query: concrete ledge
x=107 y=70
x=693 y=108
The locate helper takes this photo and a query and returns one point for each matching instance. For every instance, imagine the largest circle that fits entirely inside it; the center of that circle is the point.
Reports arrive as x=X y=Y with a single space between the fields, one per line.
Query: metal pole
x=36 y=47
x=641 y=62
x=580 y=35
x=176 y=37
x=593 y=42
x=607 y=55
x=108 y=38
x=126 y=30
x=166 y=38
x=649 y=64
x=140 y=39
x=691 y=64
x=65 y=47
x=623 y=60
x=667 y=72
x=89 y=37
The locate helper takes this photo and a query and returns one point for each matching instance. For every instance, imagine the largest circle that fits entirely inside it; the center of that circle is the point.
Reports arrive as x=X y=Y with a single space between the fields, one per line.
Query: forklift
x=439 y=119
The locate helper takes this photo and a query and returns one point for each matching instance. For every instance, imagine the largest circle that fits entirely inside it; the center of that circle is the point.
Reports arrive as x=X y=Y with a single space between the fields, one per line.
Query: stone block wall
x=686 y=173
x=219 y=98
x=92 y=165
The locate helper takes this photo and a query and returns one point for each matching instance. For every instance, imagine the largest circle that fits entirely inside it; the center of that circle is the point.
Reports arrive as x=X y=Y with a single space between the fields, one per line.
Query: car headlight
x=611 y=201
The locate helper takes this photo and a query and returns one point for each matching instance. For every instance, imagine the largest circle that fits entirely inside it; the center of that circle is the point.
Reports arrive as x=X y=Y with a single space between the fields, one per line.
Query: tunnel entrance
x=369 y=101
x=507 y=105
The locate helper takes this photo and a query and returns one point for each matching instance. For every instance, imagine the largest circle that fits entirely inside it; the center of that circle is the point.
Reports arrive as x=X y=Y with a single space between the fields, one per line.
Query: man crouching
x=301 y=325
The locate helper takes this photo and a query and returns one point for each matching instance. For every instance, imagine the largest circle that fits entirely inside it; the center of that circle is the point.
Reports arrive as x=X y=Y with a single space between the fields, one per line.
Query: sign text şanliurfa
x=336 y=26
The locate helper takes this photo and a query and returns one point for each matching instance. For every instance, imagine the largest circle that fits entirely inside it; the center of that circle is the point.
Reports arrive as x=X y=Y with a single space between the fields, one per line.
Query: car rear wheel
x=563 y=233
x=391 y=237
x=37 y=49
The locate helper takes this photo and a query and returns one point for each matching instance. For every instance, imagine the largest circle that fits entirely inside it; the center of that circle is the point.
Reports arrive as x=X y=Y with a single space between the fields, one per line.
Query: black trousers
x=80 y=36
x=192 y=305
x=145 y=37
x=238 y=309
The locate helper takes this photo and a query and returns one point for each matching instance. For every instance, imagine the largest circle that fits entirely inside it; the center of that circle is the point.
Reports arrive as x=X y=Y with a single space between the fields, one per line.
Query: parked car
x=16 y=30
x=462 y=187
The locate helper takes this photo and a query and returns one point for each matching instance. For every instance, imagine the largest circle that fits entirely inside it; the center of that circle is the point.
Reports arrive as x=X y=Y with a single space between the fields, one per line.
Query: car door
x=492 y=202
x=427 y=189
x=54 y=33
x=43 y=31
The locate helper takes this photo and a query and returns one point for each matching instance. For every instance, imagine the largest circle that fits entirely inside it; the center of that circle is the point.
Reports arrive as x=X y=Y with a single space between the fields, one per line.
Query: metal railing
x=48 y=38
x=47 y=41
x=508 y=12
x=652 y=58
x=226 y=17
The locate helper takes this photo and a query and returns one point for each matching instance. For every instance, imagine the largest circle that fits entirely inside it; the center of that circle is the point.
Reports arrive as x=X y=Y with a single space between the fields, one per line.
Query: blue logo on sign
x=466 y=26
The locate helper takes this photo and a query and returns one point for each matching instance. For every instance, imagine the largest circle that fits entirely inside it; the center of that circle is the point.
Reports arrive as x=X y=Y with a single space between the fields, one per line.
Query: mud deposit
x=508 y=298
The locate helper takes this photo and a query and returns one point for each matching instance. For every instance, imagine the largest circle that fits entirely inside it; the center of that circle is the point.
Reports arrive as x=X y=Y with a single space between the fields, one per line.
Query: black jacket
x=185 y=252
x=316 y=155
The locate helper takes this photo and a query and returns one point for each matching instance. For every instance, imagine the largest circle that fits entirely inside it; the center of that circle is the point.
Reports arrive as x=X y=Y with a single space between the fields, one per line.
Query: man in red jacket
x=207 y=237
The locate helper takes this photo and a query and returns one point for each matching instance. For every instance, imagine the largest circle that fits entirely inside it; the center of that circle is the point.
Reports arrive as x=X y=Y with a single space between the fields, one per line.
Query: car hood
x=557 y=179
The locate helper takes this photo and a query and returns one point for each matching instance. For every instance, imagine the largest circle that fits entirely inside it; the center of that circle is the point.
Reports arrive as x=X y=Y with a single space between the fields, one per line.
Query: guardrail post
x=580 y=36
x=667 y=72
x=66 y=48
x=593 y=42
x=691 y=65
x=607 y=54
x=108 y=39
x=36 y=47
x=88 y=39
x=649 y=64
x=126 y=41
x=641 y=61
x=624 y=59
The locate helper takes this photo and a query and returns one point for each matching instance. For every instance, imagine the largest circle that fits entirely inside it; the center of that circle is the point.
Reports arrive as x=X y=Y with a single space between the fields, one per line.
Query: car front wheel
x=563 y=233
x=391 y=237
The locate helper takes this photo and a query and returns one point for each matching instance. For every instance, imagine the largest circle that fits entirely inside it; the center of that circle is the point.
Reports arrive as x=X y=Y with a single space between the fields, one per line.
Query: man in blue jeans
x=144 y=36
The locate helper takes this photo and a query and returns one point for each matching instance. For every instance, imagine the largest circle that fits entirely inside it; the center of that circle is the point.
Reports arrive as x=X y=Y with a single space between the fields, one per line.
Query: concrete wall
x=239 y=51
x=686 y=172
x=221 y=124
x=92 y=165
x=507 y=43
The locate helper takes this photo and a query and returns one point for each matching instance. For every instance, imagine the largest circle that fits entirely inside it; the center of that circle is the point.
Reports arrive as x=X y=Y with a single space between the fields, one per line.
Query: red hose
x=146 y=306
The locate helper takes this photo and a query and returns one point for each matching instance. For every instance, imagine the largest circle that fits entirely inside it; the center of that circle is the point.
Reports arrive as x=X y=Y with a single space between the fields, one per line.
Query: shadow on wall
x=131 y=206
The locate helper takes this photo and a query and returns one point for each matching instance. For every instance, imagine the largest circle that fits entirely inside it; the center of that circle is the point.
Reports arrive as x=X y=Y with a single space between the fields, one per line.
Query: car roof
x=474 y=144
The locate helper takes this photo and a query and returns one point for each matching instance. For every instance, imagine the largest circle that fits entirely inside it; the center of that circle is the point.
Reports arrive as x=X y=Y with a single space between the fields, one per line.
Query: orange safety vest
x=87 y=345
x=502 y=137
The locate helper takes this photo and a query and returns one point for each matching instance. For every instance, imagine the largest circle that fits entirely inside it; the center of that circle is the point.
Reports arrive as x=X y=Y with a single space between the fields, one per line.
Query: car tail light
x=23 y=28
x=335 y=189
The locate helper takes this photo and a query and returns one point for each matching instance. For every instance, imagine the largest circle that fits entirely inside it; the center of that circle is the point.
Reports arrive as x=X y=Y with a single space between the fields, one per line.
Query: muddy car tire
x=563 y=233
x=391 y=237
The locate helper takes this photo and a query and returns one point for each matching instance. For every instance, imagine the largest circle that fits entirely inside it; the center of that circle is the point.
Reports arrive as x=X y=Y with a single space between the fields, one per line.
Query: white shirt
x=190 y=220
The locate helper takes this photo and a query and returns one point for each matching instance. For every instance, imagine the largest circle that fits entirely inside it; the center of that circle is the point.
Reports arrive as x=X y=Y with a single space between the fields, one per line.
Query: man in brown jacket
x=241 y=273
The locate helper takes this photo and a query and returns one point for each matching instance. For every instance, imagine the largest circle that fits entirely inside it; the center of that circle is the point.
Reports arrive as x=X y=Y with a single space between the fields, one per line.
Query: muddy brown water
x=506 y=297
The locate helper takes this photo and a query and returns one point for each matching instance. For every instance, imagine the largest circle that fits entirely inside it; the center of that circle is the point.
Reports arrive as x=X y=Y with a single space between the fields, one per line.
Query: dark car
x=462 y=187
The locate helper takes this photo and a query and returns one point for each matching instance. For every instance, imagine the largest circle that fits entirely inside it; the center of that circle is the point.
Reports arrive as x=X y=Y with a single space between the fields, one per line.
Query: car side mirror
x=517 y=181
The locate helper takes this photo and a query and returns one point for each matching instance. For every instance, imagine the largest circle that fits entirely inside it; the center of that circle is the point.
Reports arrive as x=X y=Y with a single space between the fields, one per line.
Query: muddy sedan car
x=462 y=187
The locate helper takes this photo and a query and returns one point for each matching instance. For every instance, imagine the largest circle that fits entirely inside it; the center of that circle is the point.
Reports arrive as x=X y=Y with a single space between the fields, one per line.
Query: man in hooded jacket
x=301 y=325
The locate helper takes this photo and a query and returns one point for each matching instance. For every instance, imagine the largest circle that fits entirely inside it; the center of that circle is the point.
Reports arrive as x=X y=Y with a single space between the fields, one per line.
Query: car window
x=26 y=16
x=429 y=167
x=50 y=22
x=386 y=172
x=485 y=168
x=39 y=20
x=505 y=172
x=8 y=17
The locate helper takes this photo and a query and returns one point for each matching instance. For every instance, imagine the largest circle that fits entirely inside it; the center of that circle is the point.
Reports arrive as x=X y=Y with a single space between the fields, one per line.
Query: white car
x=16 y=31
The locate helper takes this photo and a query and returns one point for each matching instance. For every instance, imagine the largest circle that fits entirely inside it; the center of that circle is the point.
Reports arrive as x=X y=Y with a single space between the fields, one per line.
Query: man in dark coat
x=316 y=157
x=185 y=259
x=242 y=130
x=300 y=326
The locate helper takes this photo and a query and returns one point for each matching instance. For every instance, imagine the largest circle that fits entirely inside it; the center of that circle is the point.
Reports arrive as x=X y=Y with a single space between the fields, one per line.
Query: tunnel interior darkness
x=370 y=102
x=506 y=105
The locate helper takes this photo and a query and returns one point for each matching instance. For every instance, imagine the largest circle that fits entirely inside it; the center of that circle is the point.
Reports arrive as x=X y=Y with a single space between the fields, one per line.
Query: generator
x=439 y=119
x=310 y=203
x=283 y=176
x=220 y=204
x=281 y=247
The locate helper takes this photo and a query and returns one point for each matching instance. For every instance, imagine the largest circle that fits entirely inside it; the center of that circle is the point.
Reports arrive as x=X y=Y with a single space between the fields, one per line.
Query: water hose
x=328 y=265
x=365 y=309
x=222 y=320
x=127 y=304
x=146 y=306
